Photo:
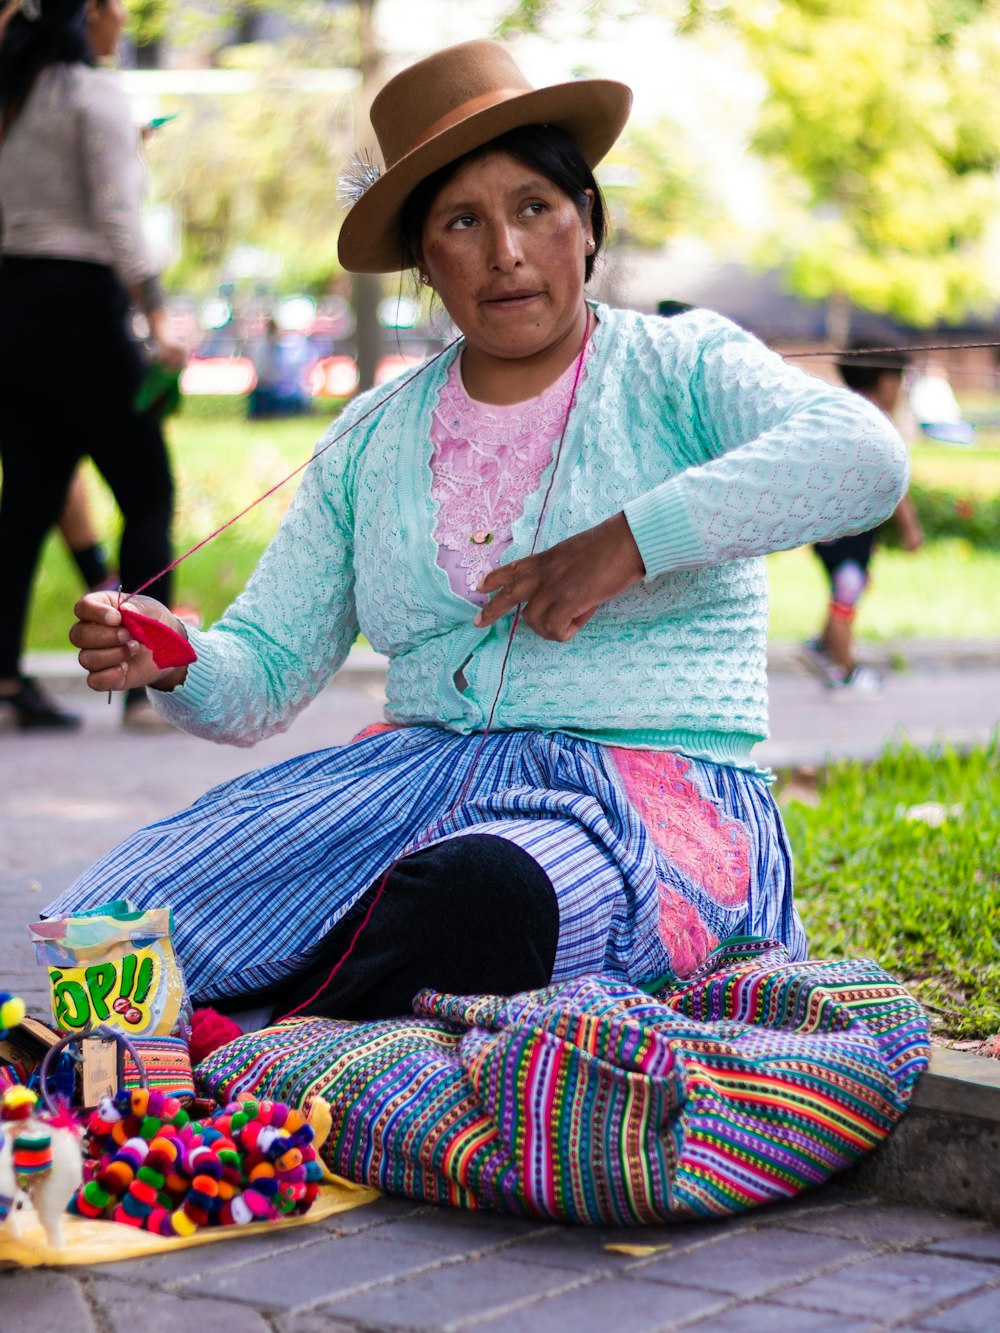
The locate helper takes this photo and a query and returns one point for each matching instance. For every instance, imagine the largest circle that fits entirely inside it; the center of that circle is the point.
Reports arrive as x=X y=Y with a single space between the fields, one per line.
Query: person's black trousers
x=68 y=378
x=474 y=915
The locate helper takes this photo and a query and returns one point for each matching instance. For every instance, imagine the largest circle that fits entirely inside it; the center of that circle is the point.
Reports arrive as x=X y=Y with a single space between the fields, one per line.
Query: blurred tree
x=882 y=129
x=256 y=175
x=148 y=21
x=366 y=288
x=663 y=189
x=215 y=23
x=255 y=171
x=882 y=116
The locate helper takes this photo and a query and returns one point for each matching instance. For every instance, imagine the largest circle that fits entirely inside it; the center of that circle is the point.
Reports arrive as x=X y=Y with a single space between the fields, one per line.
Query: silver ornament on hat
x=357 y=178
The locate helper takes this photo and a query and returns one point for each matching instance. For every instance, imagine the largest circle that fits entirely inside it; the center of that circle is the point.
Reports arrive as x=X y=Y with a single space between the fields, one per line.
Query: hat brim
x=592 y=112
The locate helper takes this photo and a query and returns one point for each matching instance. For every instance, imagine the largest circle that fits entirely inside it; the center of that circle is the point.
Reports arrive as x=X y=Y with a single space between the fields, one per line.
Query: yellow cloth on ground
x=102 y=1242
x=99 y=1241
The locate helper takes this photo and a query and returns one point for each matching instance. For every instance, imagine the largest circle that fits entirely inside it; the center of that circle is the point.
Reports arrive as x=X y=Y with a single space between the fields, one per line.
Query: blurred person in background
x=281 y=358
x=936 y=409
x=82 y=539
x=74 y=260
x=846 y=559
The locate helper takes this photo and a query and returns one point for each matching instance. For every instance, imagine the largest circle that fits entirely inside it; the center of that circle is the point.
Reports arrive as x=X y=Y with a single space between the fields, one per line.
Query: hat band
x=466 y=110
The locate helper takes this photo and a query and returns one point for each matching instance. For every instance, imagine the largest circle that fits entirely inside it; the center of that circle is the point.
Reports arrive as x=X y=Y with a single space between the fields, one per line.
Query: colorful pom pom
x=12 y=1010
x=183 y=1224
x=18 y=1103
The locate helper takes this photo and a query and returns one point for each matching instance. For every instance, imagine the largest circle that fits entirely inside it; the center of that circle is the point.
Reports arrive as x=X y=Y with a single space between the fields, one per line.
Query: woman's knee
x=483 y=883
x=475 y=914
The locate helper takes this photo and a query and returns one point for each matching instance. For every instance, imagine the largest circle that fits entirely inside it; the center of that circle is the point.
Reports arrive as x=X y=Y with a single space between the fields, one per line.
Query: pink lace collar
x=487 y=460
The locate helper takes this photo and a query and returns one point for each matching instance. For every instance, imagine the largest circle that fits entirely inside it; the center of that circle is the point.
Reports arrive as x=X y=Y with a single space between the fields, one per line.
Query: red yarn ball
x=209 y=1031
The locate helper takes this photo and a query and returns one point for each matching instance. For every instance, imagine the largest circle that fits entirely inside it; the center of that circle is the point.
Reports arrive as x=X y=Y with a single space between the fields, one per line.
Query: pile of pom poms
x=154 y=1168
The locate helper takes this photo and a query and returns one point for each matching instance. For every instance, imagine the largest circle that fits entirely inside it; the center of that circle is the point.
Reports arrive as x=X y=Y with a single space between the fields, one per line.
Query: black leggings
x=475 y=915
x=68 y=378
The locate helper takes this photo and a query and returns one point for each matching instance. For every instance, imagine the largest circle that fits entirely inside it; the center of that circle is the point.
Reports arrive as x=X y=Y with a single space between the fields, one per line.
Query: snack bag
x=115 y=966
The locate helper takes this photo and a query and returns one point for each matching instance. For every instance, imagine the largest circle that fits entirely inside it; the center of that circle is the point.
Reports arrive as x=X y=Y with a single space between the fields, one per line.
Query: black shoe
x=33 y=709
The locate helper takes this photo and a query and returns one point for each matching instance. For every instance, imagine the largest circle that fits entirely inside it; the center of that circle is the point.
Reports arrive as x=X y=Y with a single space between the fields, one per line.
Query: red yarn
x=169 y=648
x=209 y=1031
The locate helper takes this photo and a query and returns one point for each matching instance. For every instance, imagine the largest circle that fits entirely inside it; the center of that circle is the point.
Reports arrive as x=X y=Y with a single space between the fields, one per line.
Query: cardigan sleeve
x=293 y=625
x=787 y=459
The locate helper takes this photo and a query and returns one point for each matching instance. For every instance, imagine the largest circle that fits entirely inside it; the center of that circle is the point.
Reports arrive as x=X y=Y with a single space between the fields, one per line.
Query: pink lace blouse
x=486 y=461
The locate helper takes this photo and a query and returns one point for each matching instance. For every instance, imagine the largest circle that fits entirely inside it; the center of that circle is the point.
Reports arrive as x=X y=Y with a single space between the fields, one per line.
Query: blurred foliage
x=880 y=124
x=664 y=192
x=259 y=169
x=213 y=26
x=148 y=20
x=882 y=117
x=945 y=513
x=256 y=170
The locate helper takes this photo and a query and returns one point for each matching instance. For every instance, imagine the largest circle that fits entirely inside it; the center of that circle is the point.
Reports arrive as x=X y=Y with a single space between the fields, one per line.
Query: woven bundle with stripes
x=593 y=1102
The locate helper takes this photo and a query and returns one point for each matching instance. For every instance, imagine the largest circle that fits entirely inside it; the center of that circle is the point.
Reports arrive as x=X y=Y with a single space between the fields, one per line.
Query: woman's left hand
x=167 y=350
x=561 y=588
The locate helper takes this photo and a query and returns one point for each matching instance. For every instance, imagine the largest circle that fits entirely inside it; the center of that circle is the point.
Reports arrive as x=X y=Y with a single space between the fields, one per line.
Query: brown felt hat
x=442 y=108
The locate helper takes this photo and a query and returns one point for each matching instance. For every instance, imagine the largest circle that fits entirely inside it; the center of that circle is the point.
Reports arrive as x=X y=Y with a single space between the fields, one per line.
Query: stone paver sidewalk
x=835 y=1262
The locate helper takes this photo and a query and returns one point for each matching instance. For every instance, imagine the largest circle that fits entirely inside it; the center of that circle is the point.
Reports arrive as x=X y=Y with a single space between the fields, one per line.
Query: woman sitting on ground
x=554 y=532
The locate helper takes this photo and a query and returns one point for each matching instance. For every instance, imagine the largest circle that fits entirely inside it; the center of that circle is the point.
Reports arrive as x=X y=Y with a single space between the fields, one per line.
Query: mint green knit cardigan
x=716 y=449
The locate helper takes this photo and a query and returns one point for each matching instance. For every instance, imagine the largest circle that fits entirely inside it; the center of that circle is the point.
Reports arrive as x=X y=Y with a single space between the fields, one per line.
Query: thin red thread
x=873 y=351
x=464 y=789
x=294 y=473
x=350 y=948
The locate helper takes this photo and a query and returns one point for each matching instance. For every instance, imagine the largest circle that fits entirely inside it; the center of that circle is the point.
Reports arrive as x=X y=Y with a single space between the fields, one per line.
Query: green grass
x=975 y=471
x=947 y=589
x=223 y=463
x=922 y=900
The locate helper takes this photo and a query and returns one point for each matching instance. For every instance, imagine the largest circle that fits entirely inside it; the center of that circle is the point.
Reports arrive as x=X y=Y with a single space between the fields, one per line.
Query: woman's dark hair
x=546 y=149
x=57 y=37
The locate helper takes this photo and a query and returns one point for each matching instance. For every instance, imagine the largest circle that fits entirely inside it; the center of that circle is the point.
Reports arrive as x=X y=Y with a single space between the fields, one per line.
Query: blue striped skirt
x=655 y=858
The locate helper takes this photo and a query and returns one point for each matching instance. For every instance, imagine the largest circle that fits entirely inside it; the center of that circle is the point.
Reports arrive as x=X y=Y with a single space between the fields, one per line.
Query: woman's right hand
x=111 y=657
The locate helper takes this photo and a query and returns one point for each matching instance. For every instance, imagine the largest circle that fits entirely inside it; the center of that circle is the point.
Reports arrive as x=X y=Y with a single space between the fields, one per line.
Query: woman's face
x=105 y=21
x=505 y=249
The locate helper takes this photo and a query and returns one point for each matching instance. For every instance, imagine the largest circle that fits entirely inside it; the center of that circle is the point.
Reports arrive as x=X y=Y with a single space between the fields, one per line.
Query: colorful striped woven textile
x=594 y=1102
x=167 y=1064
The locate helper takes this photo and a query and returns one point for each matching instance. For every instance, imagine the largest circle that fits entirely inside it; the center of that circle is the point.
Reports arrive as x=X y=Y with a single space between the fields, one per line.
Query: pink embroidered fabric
x=486 y=461
x=709 y=847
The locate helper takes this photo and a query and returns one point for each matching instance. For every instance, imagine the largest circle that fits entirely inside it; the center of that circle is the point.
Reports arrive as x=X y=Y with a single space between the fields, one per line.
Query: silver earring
x=425 y=278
